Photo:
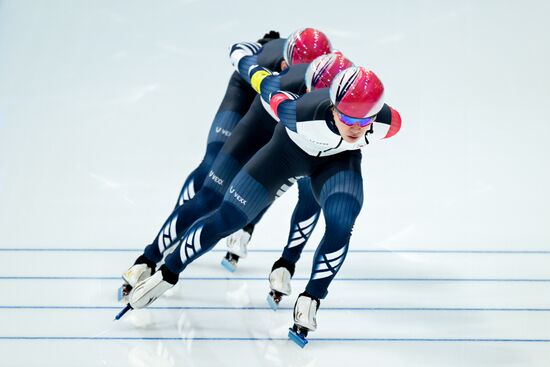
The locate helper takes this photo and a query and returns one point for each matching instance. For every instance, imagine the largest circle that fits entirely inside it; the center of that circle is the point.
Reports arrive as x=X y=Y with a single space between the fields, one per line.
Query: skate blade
x=120 y=294
x=228 y=265
x=123 y=292
x=124 y=310
x=297 y=338
x=271 y=302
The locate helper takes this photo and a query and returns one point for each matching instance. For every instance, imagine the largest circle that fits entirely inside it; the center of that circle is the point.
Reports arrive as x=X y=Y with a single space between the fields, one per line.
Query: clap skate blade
x=229 y=262
x=298 y=335
x=124 y=310
x=273 y=299
x=123 y=291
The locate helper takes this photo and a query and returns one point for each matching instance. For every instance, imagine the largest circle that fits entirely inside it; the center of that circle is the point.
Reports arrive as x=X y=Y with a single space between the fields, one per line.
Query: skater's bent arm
x=243 y=55
x=264 y=82
x=283 y=104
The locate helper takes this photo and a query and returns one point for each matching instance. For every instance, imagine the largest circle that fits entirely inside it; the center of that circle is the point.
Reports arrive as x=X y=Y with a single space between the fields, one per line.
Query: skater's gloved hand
x=272 y=35
x=239 y=50
x=278 y=97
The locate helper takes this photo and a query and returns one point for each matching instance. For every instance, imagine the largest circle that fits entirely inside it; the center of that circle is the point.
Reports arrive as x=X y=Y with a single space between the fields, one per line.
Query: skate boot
x=237 y=247
x=148 y=290
x=279 y=282
x=305 y=311
x=141 y=270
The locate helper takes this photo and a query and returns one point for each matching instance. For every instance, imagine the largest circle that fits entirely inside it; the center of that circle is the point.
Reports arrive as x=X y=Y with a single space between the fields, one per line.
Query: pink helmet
x=357 y=92
x=324 y=68
x=305 y=45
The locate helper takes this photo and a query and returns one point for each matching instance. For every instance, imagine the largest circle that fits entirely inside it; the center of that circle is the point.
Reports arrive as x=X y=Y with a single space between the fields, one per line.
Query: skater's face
x=350 y=134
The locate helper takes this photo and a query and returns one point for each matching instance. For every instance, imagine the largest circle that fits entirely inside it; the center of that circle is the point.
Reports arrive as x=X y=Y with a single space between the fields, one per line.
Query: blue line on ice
x=225 y=308
x=399 y=251
x=505 y=280
x=413 y=340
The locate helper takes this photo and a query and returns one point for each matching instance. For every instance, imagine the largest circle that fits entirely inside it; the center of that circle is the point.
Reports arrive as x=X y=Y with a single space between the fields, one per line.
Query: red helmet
x=305 y=45
x=357 y=92
x=323 y=69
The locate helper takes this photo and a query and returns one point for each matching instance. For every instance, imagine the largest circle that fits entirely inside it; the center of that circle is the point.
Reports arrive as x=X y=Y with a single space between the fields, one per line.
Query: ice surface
x=104 y=110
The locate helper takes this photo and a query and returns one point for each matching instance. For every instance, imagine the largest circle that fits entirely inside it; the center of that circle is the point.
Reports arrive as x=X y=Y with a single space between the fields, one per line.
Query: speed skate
x=305 y=312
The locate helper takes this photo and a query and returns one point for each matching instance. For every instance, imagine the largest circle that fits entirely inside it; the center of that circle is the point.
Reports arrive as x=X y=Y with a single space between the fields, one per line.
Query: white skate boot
x=149 y=289
x=305 y=312
x=236 y=248
x=279 y=282
x=135 y=274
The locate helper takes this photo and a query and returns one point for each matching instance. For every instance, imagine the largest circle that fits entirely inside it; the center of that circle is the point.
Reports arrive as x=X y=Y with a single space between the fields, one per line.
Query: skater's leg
x=252 y=133
x=181 y=218
x=243 y=201
x=236 y=102
x=341 y=199
x=179 y=221
x=254 y=188
x=304 y=219
x=340 y=190
x=305 y=213
x=237 y=243
x=194 y=182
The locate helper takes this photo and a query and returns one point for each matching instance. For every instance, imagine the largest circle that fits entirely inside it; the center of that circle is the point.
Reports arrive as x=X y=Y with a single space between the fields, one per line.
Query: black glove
x=272 y=35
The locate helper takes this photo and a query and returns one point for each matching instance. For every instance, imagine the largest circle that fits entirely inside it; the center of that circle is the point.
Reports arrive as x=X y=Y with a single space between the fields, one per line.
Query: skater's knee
x=340 y=211
x=247 y=196
x=208 y=198
x=230 y=219
x=212 y=150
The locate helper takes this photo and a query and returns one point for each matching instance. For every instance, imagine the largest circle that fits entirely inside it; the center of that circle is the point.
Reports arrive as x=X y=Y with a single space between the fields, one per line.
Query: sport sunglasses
x=350 y=121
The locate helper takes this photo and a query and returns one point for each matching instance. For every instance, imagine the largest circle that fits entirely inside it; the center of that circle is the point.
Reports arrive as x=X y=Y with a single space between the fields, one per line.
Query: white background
x=105 y=108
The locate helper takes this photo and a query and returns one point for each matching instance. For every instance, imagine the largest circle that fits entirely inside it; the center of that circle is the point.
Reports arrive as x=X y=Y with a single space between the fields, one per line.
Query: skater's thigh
x=253 y=132
x=236 y=102
x=277 y=165
x=339 y=174
x=238 y=95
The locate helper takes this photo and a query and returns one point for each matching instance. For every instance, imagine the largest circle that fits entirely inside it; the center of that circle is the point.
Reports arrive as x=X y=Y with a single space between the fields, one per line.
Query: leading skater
x=320 y=136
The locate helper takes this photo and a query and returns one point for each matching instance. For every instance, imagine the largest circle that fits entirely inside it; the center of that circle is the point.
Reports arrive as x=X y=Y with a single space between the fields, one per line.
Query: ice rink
x=105 y=108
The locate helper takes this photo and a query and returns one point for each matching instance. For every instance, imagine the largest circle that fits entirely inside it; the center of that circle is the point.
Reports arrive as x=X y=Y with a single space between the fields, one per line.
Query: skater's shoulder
x=293 y=79
x=271 y=54
x=313 y=105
